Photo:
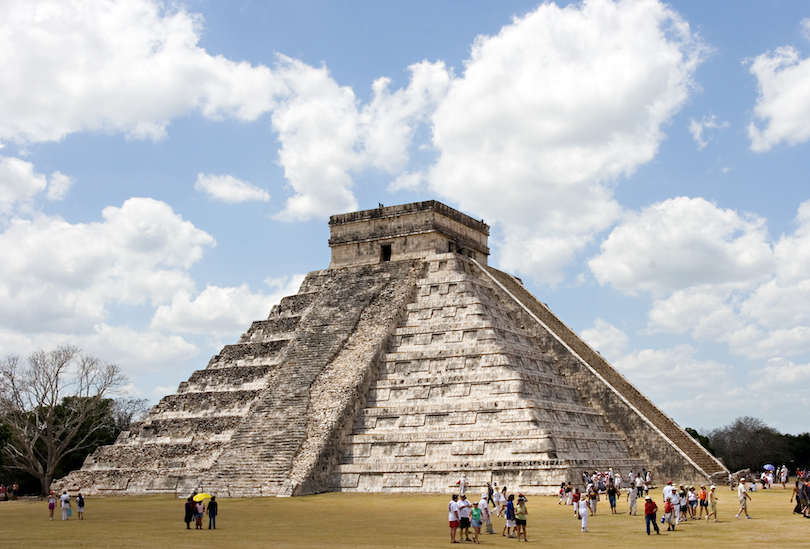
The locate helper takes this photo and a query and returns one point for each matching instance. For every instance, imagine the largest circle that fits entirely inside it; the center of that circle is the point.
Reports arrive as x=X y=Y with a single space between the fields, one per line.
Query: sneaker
x=748 y=516
x=736 y=516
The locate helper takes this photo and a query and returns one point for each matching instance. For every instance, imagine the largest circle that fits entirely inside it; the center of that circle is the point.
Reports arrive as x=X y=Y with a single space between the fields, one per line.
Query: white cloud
x=407 y=181
x=715 y=276
x=325 y=137
x=58 y=276
x=227 y=188
x=683 y=243
x=550 y=112
x=783 y=104
x=221 y=311
x=605 y=338
x=806 y=27
x=698 y=129
x=137 y=352
x=18 y=182
x=115 y=65
x=59 y=185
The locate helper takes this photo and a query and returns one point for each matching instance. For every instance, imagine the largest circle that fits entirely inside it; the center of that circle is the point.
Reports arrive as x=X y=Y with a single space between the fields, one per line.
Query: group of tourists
x=464 y=515
x=680 y=503
x=9 y=492
x=195 y=510
x=801 y=494
x=64 y=504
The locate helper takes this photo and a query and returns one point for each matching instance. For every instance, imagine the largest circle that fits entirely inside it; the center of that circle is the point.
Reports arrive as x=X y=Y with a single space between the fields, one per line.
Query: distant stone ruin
x=405 y=364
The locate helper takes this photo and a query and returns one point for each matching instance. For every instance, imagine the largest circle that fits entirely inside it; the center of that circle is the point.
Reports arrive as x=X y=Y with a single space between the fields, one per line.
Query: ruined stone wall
x=412 y=230
x=339 y=393
x=464 y=388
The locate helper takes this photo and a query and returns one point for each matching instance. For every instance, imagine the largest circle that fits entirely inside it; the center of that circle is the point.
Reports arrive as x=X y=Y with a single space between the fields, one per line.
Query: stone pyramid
x=405 y=364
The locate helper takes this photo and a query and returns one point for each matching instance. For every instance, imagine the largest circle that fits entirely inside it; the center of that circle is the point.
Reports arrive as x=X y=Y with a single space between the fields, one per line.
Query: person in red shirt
x=650 y=510
x=669 y=512
x=575 y=501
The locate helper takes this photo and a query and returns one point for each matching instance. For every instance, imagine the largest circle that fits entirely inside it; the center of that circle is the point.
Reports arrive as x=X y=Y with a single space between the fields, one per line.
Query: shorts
x=465 y=522
x=510 y=523
x=520 y=522
x=743 y=502
x=80 y=510
x=704 y=503
x=51 y=506
x=453 y=524
x=476 y=523
x=693 y=503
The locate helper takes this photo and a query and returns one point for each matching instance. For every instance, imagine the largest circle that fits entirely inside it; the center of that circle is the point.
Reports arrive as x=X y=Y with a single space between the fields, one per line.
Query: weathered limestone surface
x=406 y=363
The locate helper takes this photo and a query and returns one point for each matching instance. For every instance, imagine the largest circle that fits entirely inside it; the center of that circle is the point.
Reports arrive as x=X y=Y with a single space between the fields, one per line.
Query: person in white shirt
x=742 y=493
x=486 y=514
x=452 y=509
x=65 y=504
x=464 y=508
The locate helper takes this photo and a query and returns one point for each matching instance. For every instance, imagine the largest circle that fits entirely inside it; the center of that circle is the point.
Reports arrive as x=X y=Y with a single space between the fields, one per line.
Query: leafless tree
x=51 y=406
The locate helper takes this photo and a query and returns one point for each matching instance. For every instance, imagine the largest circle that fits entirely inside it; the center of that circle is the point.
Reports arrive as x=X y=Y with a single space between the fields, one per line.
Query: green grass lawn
x=380 y=520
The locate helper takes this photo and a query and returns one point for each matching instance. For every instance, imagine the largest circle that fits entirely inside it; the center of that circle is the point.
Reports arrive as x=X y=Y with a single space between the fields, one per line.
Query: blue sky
x=167 y=171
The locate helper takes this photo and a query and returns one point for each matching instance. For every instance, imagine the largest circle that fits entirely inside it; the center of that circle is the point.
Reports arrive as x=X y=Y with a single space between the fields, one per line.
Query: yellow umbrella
x=200 y=497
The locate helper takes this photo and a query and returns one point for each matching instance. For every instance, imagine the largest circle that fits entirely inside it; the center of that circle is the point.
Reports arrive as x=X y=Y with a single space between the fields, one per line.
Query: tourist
x=452 y=509
x=462 y=485
x=562 y=493
x=189 y=513
x=486 y=514
x=199 y=510
x=783 y=476
x=800 y=493
x=65 y=505
x=668 y=490
x=503 y=502
x=669 y=510
x=475 y=519
x=631 y=501
x=593 y=497
x=15 y=491
x=692 y=500
x=52 y=503
x=611 y=494
x=703 y=500
x=490 y=491
x=742 y=493
x=213 y=509
x=80 y=506
x=569 y=491
x=582 y=513
x=640 y=486
x=681 y=505
x=712 y=503
x=650 y=511
x=464 y=507
x=510 y=517
x=575 y=498
x=521 y=515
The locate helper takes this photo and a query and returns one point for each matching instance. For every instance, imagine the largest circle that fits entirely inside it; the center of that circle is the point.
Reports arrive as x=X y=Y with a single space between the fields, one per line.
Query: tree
x=702 y=439
x=749 y=443
x=53 y=406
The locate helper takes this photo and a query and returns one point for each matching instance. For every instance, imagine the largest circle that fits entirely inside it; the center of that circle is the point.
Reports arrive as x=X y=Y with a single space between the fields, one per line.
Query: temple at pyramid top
x=406 y=363
x=409 y=231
